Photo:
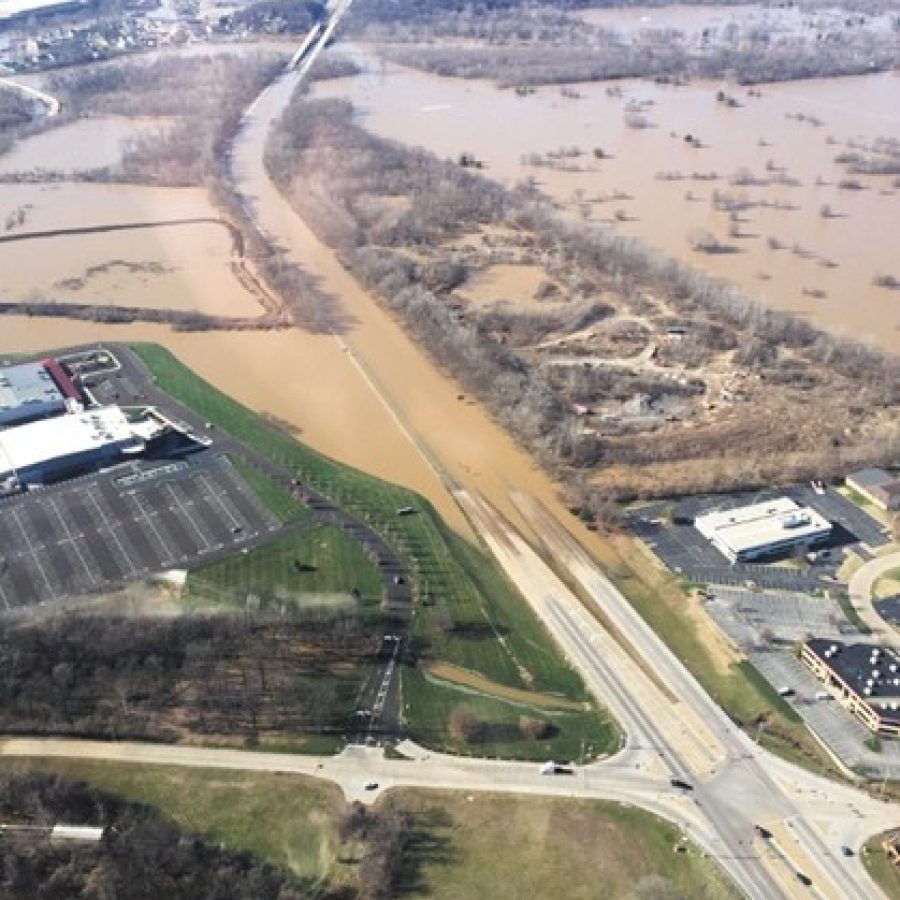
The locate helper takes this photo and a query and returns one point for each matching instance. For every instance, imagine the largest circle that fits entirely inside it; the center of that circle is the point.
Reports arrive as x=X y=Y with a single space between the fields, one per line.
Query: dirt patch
x=466 y=678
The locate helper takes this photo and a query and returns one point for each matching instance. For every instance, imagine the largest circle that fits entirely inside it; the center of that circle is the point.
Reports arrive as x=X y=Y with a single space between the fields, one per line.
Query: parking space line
x=183 y=508
x=70 y=538
x=213 y=495
x=33 y=551
x=113 y=534
x=170 y=555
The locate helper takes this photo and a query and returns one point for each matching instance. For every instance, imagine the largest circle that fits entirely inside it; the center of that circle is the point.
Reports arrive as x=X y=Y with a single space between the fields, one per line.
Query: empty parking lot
x=88 y=535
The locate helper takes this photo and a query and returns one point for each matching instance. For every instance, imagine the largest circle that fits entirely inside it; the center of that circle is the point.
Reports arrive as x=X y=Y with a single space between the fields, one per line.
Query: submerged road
x=674 y=729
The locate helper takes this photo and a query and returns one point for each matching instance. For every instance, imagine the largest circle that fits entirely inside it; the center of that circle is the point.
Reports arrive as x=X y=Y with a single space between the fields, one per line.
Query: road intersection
x=674 y=729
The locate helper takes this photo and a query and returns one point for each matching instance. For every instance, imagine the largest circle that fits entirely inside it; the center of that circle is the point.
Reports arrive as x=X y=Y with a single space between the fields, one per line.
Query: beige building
x=877 y=486
x=864 y=677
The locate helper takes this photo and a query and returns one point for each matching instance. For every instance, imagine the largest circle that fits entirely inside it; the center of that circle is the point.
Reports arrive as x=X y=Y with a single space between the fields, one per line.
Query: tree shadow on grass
x=428 y=843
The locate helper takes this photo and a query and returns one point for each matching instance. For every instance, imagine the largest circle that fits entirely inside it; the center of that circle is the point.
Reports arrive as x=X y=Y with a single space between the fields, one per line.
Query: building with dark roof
x=878 y=486
x=34 y=390
x=865 y=677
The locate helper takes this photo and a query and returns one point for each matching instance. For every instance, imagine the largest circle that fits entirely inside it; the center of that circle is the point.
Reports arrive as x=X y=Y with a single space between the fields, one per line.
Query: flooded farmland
x=77 y=146
x=183 y=262
x=758 y=175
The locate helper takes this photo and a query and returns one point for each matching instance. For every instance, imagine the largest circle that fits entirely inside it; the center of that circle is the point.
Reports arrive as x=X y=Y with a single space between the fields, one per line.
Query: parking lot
x=93 y=533
x=844 y=735
x=751 y=618
x=687 y=553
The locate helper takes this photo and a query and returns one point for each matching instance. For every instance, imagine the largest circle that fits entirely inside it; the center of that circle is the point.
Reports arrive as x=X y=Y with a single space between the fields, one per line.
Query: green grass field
x=883 y=872
x=286 y=820
x=462 y=847
x=274 y=497
x=302 y=567
x=578 y=735
x=510 y=848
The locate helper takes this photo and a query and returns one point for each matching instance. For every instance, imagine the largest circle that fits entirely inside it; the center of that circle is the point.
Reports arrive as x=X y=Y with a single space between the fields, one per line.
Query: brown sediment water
x=826 y=268
x=184 y=265
x=78 y=146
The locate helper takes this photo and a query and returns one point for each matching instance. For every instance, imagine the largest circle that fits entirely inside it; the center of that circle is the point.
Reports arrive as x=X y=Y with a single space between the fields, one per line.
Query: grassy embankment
x=883 y=872
x=460 y=847
x=468 y=614
x=736 y=686
x=303 y=567
x=274 y=497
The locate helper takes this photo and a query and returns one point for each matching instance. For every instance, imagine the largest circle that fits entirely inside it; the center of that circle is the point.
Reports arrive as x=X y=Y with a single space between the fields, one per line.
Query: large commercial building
x=50 y=449
x=35 y=390
x=866 y=678
x=878 y=486
x=762 y=529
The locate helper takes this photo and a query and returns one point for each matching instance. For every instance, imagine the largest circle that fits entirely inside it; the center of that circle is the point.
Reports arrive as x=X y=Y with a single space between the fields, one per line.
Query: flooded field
x=799 y=241
x=77 y=146
x=176 y=266
x=724 y=23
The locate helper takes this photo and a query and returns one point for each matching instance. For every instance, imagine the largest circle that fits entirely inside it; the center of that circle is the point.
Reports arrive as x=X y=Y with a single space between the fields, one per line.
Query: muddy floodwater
x=801 y=242
x=181 y=264
x=78 y=146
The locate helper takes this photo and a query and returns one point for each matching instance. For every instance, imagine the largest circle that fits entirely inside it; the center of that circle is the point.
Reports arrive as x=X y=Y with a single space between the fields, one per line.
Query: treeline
x=17 y=117
x=279 y=16
x=140 y=855
x=608 y=59
x=114 y=314
x=162 y=679
x=199 y=100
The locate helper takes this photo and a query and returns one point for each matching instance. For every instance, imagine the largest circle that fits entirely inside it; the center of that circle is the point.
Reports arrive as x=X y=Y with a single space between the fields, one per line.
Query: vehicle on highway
x=371 y=785
x=681 y=783
x=785 y=692
x=804 y=879
x=846 y=851
x=554 y=768
x=762 y=832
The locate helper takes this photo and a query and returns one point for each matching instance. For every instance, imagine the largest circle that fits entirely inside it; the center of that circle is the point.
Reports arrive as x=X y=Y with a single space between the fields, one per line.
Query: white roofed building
x=762 y=529
x=54 y=448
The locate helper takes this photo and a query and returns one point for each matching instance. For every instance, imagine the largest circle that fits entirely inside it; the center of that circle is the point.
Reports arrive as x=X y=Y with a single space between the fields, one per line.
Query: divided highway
x=674 y=729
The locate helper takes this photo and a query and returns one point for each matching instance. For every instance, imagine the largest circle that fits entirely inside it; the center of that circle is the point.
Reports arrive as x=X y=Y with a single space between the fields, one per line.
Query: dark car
x=681 y=783
x=804 y=879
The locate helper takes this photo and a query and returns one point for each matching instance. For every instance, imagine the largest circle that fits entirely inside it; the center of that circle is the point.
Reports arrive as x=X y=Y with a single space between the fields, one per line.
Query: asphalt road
x=861 y=583
x=674 y=729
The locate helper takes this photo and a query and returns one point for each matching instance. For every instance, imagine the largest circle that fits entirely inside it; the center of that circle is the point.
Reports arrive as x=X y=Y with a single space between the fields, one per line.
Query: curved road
x=674 y=729
x=51 y=103
x=861 y=584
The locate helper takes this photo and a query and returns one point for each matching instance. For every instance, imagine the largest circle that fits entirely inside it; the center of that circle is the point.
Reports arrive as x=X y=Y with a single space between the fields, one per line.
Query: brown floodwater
x=78 y=146
x=827 y=267
x=185 y=266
